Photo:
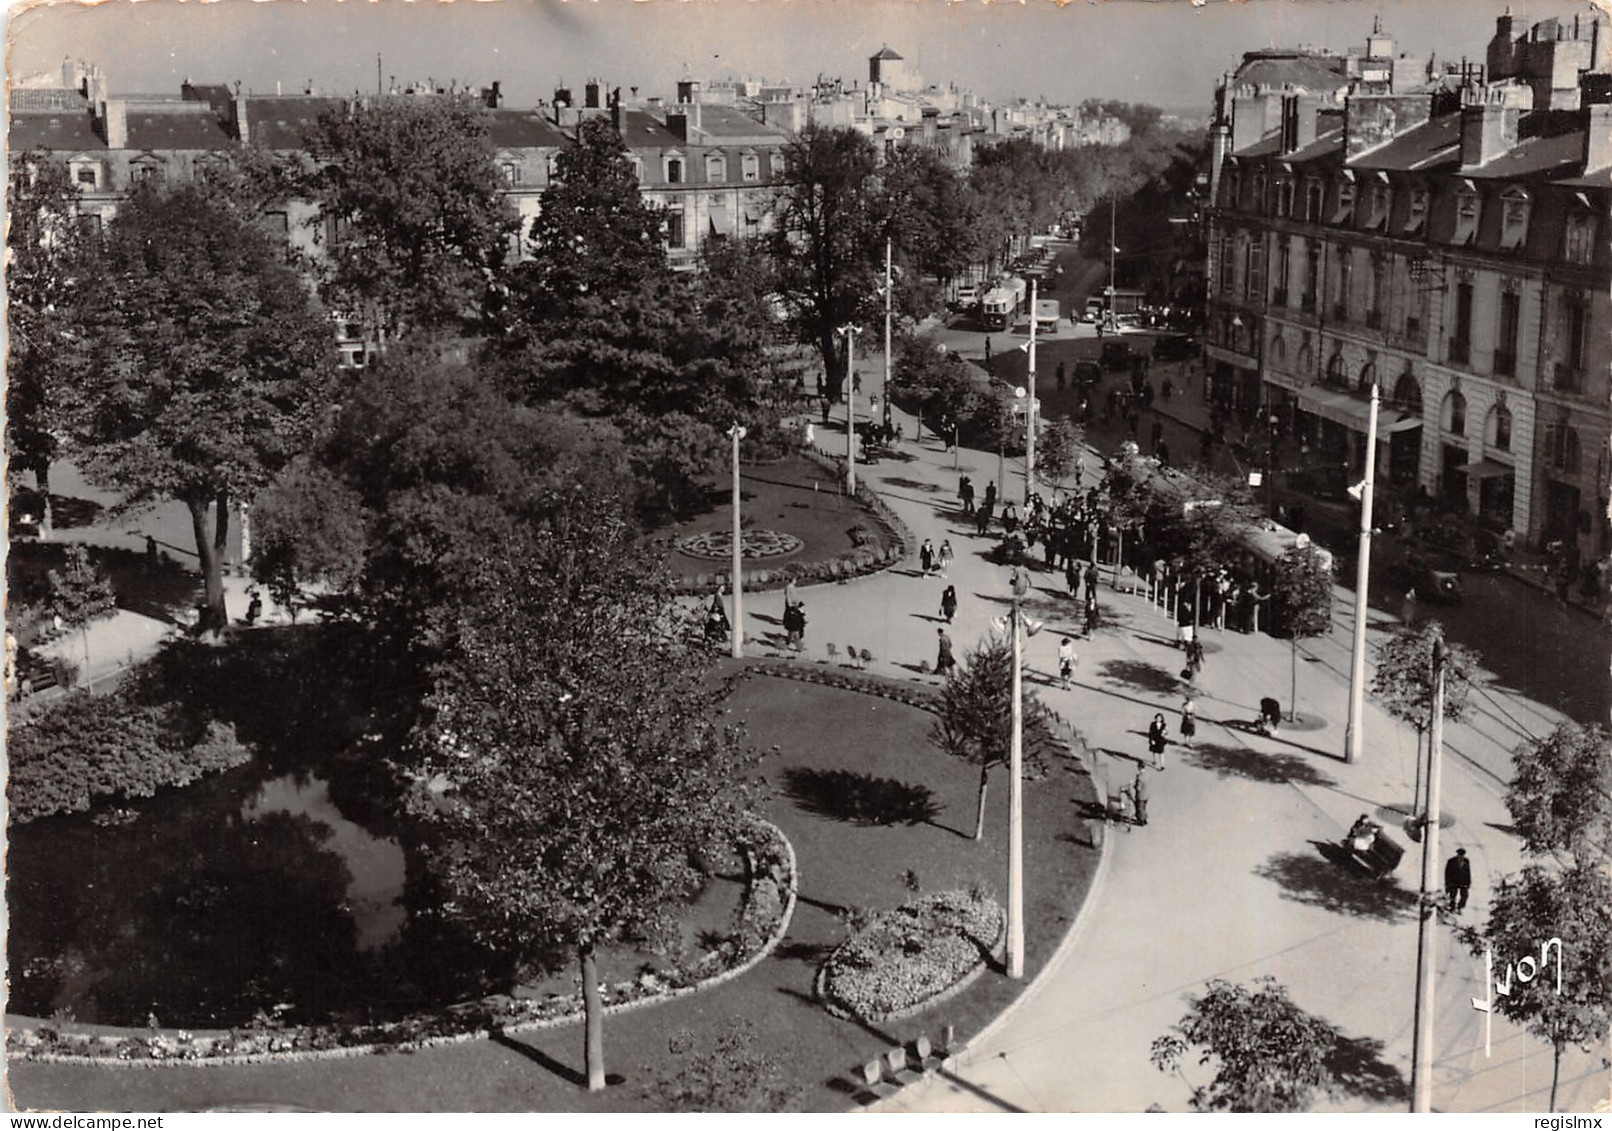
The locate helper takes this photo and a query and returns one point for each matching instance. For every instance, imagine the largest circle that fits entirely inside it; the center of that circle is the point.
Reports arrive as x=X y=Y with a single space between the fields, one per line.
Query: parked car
x=1175 y=347
x=1434 y=577
x=1088 y=373
x=1117 y=355
x=968 y=297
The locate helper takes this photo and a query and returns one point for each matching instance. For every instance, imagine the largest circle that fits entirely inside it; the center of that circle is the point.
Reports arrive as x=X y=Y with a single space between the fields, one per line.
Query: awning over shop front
x=1353 y=414
x=1487 y=469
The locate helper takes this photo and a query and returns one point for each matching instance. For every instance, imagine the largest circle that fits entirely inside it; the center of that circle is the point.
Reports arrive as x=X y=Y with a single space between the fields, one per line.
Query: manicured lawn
x=873 y=811
x=793 y=496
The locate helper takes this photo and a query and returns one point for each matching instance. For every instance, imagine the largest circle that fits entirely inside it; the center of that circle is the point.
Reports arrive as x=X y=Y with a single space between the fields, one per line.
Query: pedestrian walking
x=1091 y=611
x=1189 y=720
x=944 y=660
x=1457 y=879
x=1060 y=374
x=1194 y=658
x=982 y=518
x=795 y=626
x=944 y=559
x=1139 y=796
x=926 y=557
x=811 y=434
x=948 y=603
x=1071 y=578
x=965 y=492
x=990 y=495
x=1157 y=736
x=1067 y=659
x=1091 y=580
x=1010 y=518
x=1019 y=580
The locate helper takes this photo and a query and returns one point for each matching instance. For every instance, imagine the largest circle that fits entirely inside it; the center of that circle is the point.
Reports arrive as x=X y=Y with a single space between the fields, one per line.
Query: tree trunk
x=89 y=682
x=593 y=1028
x=1555 y=1074
x=47 y=517
x=212 y=568
x=979 y=813
x=1293 y=685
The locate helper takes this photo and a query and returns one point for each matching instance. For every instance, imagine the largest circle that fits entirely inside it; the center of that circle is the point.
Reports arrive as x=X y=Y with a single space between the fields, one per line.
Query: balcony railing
x=1505 y=363
x=1460 y=351
x=1569 y=378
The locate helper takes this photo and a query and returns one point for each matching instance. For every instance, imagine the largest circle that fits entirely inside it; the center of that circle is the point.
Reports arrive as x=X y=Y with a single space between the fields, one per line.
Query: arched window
x=1497 y=429
x=1278 y=351
x=1452 y=416
x=1367 y=376
x=674 y=171
x=1515 y=206
x=1407 y=396
x=750 y=165
x=716 y=168
x=1337 y=373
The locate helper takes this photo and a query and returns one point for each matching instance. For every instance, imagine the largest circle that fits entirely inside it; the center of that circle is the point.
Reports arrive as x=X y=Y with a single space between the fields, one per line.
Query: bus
x=1047 y=314
x=998 y=307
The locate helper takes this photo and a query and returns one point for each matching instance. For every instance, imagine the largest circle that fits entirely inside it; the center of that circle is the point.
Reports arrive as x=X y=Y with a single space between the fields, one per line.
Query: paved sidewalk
x=1228 y=879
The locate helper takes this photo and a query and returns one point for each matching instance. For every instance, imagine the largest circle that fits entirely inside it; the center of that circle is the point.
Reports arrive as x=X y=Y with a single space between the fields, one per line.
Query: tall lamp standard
x=1014 y=622
x=850 y=331
x=1354 y=732
x=1029 y=435
x=736 y=433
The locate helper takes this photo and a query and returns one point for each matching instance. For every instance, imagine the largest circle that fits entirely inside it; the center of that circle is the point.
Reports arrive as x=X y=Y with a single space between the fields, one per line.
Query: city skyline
x=1002 y=51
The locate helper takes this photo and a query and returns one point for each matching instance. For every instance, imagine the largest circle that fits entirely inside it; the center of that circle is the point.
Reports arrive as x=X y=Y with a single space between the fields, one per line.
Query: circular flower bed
x=717 y=545
x=906 y=959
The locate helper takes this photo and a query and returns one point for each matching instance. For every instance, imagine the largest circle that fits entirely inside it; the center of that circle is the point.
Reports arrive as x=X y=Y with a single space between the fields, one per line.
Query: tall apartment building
x=1441 y=233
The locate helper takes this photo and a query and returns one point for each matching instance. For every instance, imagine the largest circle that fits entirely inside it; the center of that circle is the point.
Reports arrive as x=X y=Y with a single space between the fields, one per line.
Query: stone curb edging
x=791 y=892
x=997 y=949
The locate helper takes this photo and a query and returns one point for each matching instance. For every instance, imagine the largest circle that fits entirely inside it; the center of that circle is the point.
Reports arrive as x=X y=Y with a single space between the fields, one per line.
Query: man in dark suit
x=1458 y=879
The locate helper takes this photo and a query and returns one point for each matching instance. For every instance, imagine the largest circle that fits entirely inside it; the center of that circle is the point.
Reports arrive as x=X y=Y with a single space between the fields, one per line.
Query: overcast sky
x=1167 y=52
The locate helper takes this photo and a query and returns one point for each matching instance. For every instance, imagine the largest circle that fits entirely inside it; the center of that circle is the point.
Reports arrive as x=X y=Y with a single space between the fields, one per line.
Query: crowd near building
x=1438 y=230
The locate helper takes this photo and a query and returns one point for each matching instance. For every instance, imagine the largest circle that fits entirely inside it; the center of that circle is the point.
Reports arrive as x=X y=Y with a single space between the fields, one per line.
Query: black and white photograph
x=636 y=557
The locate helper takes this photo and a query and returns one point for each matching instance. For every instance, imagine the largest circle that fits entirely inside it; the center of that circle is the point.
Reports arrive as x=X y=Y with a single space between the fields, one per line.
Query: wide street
x=1231 y=877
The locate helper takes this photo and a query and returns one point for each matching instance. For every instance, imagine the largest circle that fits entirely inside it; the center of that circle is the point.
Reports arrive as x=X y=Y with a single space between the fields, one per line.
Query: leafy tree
x=310 y=529
x=214 y=367
x=729 y=1073
x=51 y=271
x=975 y=720
x=1561 y=793
x=79 y=594
x=928 y=212
x=829 y=244
x=1403 y=680
x=596 y=236
x=1303 y=592
x=1058 y=450
x=421 y=227
x=674 y=454
x=1270 y=1055
x=1530 y=908
x=580 y=746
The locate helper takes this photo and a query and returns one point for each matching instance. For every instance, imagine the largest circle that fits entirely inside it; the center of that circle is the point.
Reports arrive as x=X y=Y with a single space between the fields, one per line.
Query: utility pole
x=1015 y=925
x=1422 y=1052
x=887 y=298
x=850 y=408
x=1029 y=413
x=1354 y=734
x=1113 y=249
x=379 y=89
x=737 y=433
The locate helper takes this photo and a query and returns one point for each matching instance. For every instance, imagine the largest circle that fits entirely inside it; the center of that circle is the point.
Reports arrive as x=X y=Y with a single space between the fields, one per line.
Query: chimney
x=590 y=95
x=115 y=123
x=1298 y=121
x=238 y=119
x=615 y=109
x=1598 y=138
x=1488 y=129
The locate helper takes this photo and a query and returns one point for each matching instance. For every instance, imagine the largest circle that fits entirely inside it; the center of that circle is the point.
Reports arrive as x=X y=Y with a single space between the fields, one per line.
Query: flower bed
x=909 y=958
x=762 y=920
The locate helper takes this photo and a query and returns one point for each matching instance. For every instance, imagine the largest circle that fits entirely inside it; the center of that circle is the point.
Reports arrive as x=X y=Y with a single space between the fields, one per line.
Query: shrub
x=87 y=746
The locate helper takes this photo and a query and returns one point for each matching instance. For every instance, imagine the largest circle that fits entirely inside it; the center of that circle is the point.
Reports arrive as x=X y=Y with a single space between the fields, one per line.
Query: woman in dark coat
x=948 y=603
x=1156 y=738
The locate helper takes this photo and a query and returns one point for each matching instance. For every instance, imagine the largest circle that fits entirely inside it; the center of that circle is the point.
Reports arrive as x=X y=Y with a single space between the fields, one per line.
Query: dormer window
x=750 y=167
x=673 y=168
x=509 y=172
x=1467 y=206
x=1416 y=213
x=1381 y=200
x=1284 y=197
x=1312 y=201
x=716 y=168
x=144 y=170
x=776 y=164
x=551 y=166
x=1345 y=211
x=1515 y=208
x=637 y=164
x=86 y=173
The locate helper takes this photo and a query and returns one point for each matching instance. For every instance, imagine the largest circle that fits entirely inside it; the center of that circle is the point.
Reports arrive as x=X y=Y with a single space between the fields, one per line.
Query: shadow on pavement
x=859 y=799
x=1357 y=1065
x=911 y=484
x=1139 y=675
x=1255 y=765
x=67 y=512
x=1333 y=883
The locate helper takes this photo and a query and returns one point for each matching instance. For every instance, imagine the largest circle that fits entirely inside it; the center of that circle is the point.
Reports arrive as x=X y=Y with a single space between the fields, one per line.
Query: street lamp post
x=736 y=433
x=850 y=332
x=1015 y=930
x=1354 y=732
x=1029 y=441
x=1422 y=1050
